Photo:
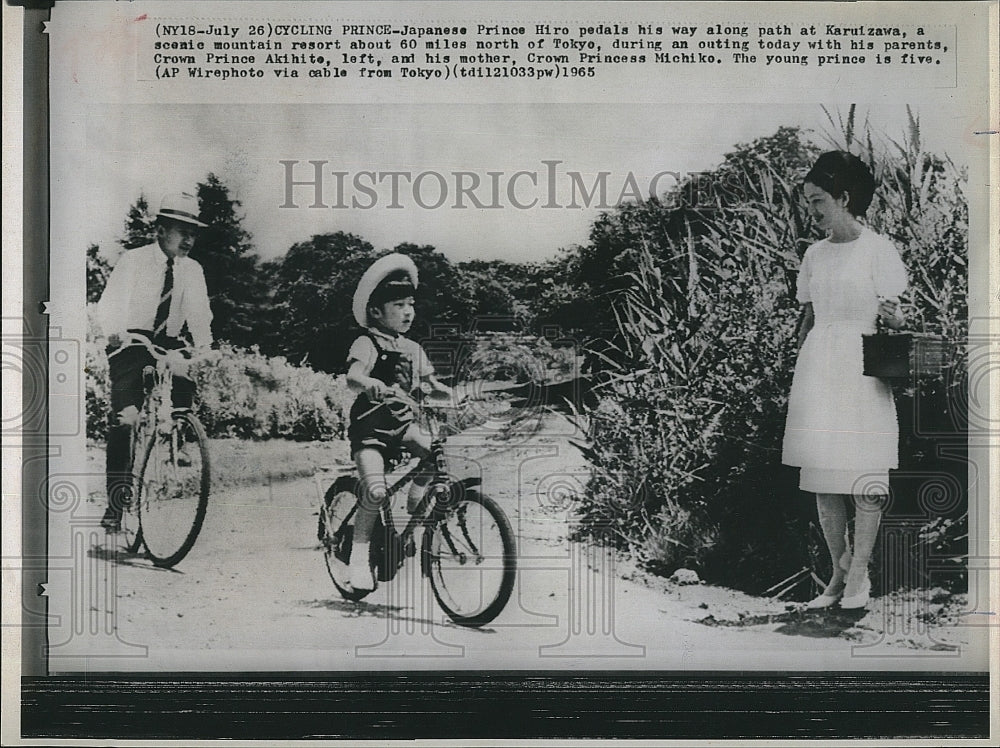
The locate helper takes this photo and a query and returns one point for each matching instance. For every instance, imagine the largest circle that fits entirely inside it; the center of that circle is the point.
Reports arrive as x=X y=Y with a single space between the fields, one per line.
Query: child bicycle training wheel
x=471 y=559
x=173 y=489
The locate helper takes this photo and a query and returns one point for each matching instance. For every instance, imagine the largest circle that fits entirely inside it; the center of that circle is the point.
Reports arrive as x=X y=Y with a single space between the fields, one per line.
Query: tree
x=677 y=227
x=235 y=282
x=442 y=298
x=140 y=225
x=502 y=292
x=313 y=291
x=98 y=270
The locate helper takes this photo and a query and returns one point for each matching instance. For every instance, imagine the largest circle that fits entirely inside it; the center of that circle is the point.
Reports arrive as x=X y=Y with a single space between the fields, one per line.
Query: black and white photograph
x=407 y=362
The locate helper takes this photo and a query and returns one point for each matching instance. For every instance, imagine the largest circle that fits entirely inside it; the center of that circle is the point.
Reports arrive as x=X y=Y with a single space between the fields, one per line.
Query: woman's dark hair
x=842 y=173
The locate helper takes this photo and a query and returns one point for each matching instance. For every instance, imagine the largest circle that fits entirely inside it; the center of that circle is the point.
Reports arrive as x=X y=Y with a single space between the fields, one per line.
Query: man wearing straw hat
x=159 y=292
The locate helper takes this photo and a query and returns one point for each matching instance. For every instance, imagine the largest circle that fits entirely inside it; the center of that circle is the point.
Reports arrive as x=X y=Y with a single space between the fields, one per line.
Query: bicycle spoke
x=468 y=547
x=174 y=490
x=490 y=531
x=470 y=559
x=336 y=530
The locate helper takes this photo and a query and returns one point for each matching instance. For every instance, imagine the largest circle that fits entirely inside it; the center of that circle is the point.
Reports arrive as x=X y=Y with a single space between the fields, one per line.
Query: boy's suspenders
x=386 y=367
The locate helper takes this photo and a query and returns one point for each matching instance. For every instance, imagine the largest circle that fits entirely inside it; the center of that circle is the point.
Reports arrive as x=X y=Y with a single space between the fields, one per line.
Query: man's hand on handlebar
x=178 y=359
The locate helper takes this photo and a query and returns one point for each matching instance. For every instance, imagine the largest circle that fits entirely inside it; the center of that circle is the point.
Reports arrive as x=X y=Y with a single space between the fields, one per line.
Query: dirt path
x=254 y=595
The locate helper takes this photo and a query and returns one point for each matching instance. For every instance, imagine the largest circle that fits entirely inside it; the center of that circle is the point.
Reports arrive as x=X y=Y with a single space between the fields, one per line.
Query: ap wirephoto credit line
x=423 y=343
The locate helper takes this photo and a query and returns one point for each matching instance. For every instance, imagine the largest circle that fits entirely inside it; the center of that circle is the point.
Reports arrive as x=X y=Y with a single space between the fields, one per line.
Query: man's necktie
x=163 y=310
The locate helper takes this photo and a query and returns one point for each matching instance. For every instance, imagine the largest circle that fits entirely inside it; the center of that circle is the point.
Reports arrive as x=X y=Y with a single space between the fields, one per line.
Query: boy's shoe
x=360 y=574
x=112 y=520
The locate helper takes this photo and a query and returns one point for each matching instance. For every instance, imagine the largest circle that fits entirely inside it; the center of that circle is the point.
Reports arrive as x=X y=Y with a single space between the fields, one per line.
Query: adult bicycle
x=467 y=548
x=169 y=460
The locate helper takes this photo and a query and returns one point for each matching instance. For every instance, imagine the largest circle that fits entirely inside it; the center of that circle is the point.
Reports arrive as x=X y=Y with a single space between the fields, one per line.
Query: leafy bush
x=518 y=358
x=248 y=395
x=98 y=395
x=242 y=394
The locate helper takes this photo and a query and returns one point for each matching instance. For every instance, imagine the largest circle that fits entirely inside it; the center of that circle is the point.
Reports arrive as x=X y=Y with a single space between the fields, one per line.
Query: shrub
x=97 y=397
x=514 y=357
x=242 y=394
x=248 y=395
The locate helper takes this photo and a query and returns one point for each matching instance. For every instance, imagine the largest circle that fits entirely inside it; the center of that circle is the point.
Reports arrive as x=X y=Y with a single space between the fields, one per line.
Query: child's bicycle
x=467 y=547
x=170 y=468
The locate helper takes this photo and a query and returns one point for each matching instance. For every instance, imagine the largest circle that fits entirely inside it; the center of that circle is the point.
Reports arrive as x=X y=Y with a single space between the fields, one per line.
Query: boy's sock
x=359 y=569
x=414 y=496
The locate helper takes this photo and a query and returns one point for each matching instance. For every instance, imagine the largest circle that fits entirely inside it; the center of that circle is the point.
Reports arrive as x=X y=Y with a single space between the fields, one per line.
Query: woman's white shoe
x=858 y=601
x=823 y=601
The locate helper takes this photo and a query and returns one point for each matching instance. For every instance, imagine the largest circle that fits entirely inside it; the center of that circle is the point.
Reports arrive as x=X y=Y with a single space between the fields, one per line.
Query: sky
x=164 y=148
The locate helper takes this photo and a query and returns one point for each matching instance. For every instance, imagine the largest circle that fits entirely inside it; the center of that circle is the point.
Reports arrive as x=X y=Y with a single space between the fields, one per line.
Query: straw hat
x=378 y=272
x=181 y=206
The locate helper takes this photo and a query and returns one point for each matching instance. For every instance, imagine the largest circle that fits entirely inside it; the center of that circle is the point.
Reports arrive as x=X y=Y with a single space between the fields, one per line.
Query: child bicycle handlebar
x=415 y=405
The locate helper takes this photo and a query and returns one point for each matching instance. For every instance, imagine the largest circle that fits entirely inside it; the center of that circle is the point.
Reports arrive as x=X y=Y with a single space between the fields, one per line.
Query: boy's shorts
x=382 y=429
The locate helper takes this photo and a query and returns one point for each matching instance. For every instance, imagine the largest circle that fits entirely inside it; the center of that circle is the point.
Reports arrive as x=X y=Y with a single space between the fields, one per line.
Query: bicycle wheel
x=336 y=533
x=174 y=487
x=471 y=559
x=131 y=529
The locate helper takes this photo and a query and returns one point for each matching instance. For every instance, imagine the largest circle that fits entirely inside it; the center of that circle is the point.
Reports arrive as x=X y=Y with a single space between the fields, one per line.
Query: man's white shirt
x=132 y=295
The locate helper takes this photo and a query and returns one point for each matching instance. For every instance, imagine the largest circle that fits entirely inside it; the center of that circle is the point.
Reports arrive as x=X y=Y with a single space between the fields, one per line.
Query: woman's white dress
x=841 y=427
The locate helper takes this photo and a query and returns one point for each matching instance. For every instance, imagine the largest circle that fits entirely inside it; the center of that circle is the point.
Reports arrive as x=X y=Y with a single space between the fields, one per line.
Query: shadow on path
x=122 y=557
x=818 y=624
x=362 y=609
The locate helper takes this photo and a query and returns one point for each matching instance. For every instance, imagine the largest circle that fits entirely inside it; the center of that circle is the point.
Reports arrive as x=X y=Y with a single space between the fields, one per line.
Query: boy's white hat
x=182 y=206
x=374 y=275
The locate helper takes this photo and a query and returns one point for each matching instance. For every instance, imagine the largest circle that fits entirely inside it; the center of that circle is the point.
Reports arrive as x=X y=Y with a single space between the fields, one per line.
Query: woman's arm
x=806 y=323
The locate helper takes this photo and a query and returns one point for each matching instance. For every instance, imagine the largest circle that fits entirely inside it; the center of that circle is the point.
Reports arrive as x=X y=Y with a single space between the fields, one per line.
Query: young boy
x=381 y=362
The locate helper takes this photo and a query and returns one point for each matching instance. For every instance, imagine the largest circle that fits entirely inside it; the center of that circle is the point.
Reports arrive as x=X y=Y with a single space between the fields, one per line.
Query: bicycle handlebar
x=416 y=406
x=426 y=402
x=133 y=337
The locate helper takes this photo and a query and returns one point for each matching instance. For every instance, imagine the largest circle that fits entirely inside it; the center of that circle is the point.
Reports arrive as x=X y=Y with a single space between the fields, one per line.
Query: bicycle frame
x=468 y=550
x=440 y=491
x=156 y=412
x=169 y=460
x=157 y=383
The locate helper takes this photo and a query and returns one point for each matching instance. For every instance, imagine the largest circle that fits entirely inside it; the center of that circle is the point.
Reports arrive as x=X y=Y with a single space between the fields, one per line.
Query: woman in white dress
x=841 y=428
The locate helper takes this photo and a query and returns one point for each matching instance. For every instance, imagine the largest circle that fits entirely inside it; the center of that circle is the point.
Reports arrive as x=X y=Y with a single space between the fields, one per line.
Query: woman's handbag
x=905 y=355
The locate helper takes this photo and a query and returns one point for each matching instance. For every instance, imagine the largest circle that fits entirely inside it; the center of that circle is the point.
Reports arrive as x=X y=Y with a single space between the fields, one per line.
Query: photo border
x=511 y=706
